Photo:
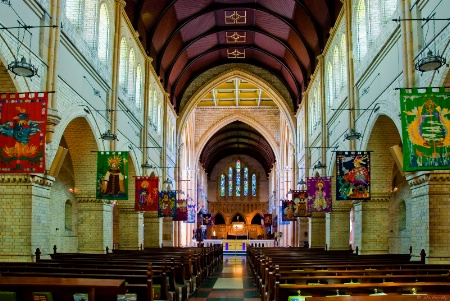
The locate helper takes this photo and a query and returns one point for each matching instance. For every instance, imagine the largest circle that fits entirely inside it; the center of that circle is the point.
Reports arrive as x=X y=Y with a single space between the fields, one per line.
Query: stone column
x=430 y=209
x=317 y=230
x=372 y=225
x=167 y=232
x=26 y=216
x=95 y=225
x=303 y=230
x=152 y=230
x=338 y=229
x=131 y=233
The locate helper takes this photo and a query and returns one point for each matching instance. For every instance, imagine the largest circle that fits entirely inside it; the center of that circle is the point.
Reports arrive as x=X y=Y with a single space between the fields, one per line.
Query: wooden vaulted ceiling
x=188 y=37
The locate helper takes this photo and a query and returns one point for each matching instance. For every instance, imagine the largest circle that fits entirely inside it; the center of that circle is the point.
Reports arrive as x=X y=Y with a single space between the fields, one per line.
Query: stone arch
x=236 y=117
x=279 y=100
x=83 y=155
x=383 y=135
x=242 y=214
x=385 y=109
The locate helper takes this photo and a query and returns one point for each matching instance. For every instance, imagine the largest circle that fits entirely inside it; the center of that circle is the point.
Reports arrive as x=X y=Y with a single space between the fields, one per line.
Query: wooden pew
x=64 y=288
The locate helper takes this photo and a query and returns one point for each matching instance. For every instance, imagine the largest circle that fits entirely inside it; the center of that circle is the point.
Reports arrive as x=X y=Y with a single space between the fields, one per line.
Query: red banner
x=23 y=121
x=146 y=194
x=181 y=212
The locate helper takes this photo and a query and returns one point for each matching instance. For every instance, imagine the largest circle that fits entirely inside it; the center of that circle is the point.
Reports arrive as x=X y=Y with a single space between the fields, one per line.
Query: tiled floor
x=231 y=281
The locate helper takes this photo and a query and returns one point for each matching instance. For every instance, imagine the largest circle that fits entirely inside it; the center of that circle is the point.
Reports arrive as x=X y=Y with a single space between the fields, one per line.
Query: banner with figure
x=181 y=210
x=167 y=203
x=146 y=198
x=288 y=210
x=23 y=122
x=300 y=198
x=207 y=219
x=319 y=194
x=426 y=129
x=352 y=175
x=267 y=220
x=112 y=175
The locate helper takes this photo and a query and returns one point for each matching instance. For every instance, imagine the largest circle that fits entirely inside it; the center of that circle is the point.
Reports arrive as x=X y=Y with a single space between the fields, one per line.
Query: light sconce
x=319 y=165
x=301 y=182
x=109 y=136
x=430 y=62
x=22 y=68
x=352 y=135
x=168 y=181
x=7 y=2
x=146 y=165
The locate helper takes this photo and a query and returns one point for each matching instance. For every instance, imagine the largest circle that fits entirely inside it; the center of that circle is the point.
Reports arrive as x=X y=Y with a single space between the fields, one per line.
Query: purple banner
x=319 y=194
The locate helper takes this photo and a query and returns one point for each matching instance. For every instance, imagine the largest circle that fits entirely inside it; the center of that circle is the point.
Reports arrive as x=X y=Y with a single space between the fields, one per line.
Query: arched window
x=138 y=88
x=343 y=61
x=317 y=108
x=402 y=215
x=159 y=119
x=230 y=181
x=90 y=22
x=155 y=109
x=68 y=215
x=238 y=178
x=375 y=19
x=150 y=105
x=75 y=12
x=104 y=38
x=245 y=181
x=131 y=76
x=123 y=65
x=336 y=71
x=222 y=185
x=361 y=31
x=253 y=185
x=330 y=85
x=388 y=7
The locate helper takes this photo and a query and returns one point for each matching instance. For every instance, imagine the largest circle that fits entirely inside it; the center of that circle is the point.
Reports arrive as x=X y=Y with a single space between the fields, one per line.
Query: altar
x=238 y=231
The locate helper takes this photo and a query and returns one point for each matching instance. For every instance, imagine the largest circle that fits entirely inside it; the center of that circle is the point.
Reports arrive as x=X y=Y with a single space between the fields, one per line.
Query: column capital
x=121 y=2
x=426 y=177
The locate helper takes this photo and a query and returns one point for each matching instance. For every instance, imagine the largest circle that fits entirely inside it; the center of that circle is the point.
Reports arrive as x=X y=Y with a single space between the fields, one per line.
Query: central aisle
x=231 y=281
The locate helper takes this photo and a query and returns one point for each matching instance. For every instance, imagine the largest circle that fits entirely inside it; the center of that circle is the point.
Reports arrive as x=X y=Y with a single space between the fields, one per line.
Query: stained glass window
x=253 y=185
x=230 y=181
x=222 y=185
x=238 y=178
x=245 y=181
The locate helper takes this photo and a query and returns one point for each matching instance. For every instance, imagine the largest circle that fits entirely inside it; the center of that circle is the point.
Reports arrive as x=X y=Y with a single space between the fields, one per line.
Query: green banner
x=426 y=129
x=112 y=176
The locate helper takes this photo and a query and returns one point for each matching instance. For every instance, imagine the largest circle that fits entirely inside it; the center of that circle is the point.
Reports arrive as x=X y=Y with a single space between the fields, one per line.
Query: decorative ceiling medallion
x=236 y=37
x=235 y=17
x=236 y=54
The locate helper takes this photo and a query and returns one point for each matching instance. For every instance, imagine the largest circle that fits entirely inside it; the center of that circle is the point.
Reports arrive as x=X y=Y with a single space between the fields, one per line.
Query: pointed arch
x=104 y=36
x=361 y=30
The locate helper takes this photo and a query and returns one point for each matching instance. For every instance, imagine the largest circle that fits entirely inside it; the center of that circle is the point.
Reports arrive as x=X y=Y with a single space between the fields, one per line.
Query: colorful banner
x=112 y=175
x=207 y=219
x=281 y=219
x=181 y=213
x=352 y=175
x=191 y=214
x=23 y=122
x=288 y=210
x=146 y=198
x=267 y=220
x=319 y=194
x=426 y=129
x=300 y=198
x=167 y=200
